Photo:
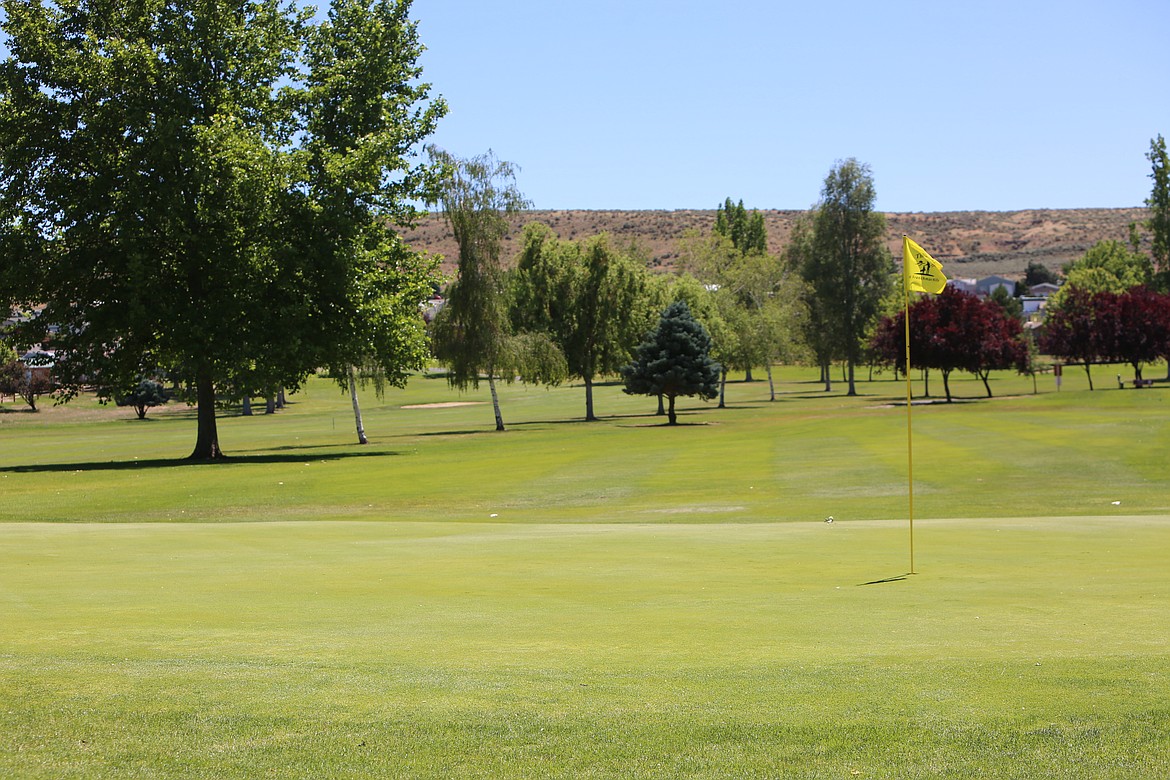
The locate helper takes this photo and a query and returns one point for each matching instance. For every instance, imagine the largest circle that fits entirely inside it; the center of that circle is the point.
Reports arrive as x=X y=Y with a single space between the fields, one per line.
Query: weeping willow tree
x=472 y=336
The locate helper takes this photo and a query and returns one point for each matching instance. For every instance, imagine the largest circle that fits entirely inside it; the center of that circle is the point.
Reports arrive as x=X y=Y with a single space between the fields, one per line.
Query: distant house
x=987 y=286
x=963 y=285
x=38 y=364
x=1042 y=290
x=1033 y=304
x=431 y=307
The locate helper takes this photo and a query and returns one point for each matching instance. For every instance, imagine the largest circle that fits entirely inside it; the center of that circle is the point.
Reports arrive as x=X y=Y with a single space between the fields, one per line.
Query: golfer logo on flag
x=923 y=273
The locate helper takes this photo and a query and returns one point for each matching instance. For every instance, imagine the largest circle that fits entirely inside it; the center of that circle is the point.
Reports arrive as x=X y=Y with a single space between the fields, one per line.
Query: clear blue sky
x=668 y=104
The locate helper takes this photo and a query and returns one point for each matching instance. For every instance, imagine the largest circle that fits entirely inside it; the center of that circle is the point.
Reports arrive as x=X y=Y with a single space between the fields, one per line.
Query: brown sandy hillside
x=967 y=243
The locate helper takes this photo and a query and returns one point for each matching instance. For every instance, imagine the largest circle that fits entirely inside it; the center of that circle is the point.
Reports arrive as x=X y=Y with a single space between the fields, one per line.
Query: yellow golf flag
x=922 y=272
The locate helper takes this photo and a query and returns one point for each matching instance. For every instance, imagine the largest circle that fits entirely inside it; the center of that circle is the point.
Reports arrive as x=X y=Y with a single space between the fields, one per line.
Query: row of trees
x=1109 y=327
x=579 y=309
x=952 y=331
x=215 y=192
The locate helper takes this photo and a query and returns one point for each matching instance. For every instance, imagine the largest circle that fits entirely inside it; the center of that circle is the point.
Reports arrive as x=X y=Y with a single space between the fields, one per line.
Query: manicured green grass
x=807 y=455
x=646 y=602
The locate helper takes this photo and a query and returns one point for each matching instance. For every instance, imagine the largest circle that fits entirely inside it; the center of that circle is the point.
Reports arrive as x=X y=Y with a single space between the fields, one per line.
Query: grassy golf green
x=618 y=599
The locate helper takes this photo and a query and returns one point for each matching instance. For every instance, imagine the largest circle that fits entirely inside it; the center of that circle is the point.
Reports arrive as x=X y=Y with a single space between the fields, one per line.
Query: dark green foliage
x=1038 y=273
x=148 y=394
x=1011 y=305
x=674 y=360
x=747 y=232
x=1159 y=205
x=211 y=188
x=587 y=297
x=844 y=260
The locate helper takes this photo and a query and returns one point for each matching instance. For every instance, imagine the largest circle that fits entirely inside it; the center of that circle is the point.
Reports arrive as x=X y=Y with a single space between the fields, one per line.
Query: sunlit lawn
x=615 y=599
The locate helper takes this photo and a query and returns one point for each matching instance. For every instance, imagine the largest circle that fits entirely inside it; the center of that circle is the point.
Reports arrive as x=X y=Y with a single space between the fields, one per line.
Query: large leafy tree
x=587 y=297
x=1071 y=331
x=755 y=293
x=1108 y=265
x=674 y=361
x=1130 y=327
x=1038 y=273
x=190 y=185
x=360 y=127
x=1135 y=326
x=846 y=263
x=1108 y=327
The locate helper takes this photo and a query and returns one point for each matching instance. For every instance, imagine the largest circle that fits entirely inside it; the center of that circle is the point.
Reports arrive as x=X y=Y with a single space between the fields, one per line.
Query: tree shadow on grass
x=162 y=463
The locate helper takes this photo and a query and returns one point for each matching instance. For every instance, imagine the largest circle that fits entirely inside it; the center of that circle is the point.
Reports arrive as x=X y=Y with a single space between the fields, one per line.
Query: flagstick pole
x=909 y=404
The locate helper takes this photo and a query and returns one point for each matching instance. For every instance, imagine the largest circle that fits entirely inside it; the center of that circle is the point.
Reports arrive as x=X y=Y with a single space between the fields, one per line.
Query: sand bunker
x=445 y=405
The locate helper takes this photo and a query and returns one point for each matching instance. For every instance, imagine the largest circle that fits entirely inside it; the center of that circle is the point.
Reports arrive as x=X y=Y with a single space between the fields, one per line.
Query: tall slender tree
x=473 y=334
x=747 y=232
x=1159 y=205
x=846 y=263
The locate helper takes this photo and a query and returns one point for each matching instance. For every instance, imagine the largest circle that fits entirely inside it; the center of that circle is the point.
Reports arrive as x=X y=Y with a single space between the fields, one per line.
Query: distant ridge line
x=981 y=242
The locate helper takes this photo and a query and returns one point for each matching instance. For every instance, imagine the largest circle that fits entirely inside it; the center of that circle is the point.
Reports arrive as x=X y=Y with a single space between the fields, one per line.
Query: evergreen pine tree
x=674 y=360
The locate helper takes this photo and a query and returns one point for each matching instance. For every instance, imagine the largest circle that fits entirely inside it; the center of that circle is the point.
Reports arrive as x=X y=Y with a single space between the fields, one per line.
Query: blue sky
x=655 y=104
x=647 y=104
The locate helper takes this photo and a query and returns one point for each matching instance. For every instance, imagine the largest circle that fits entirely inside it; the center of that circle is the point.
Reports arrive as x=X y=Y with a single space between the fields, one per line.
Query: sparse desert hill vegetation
x=969 y=243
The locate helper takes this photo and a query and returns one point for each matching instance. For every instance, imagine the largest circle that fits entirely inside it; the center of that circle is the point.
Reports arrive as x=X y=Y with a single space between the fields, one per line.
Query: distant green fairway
x=617 y=599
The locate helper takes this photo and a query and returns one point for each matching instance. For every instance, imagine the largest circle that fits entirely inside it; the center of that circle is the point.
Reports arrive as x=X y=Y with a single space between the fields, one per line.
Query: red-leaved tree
x=1106 y=327
x=1133 y=326
x=954 y=330
x=1071 y=331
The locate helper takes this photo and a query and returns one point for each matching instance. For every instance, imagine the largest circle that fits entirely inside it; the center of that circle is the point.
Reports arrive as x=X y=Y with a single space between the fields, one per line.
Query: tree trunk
x=827 y=376
x=852 y=383
x=771 y=385
x=280 y=402
x=661 y=409
x=357 y=409
x=270 y=404
x=984 y=375
x=747 y=376
x=589 y=417
x=247 y=411
x=947 y=384
x=926 y=383
x=207 y=439
x=1089 y=375
x=722 y=387
x=495 y=401
x=670 y=415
